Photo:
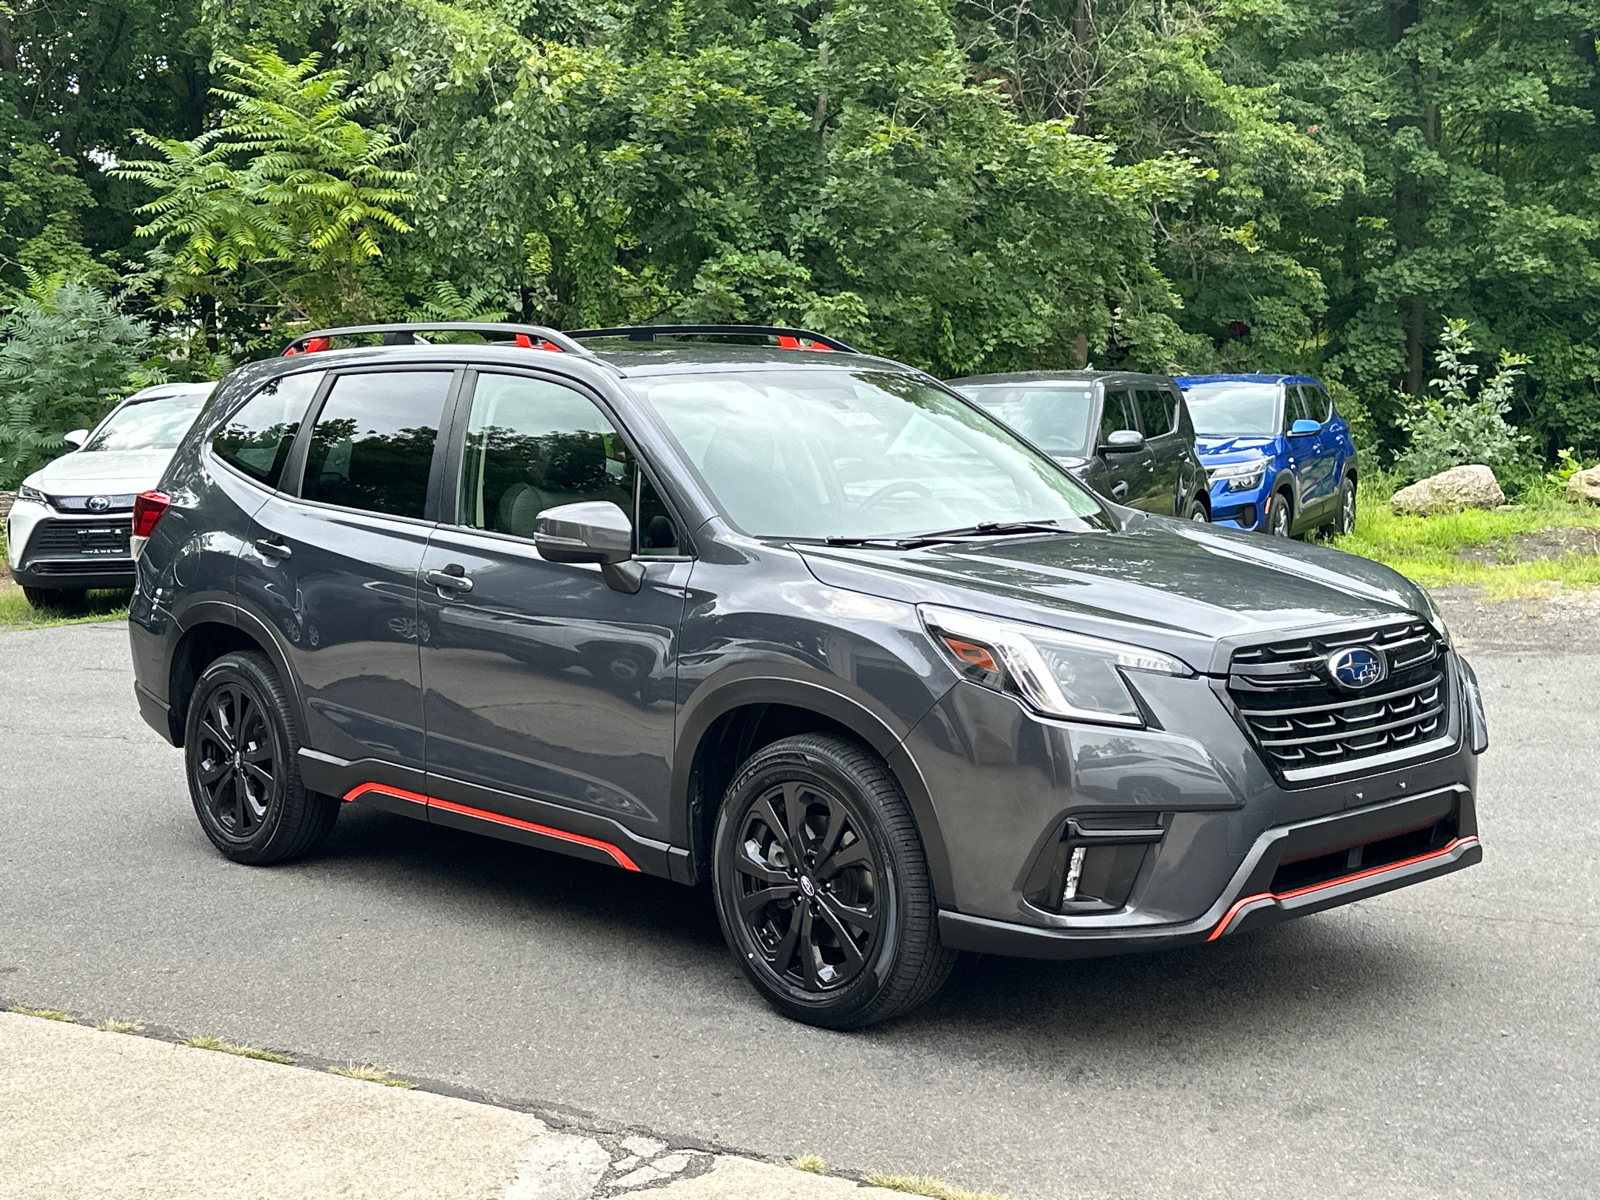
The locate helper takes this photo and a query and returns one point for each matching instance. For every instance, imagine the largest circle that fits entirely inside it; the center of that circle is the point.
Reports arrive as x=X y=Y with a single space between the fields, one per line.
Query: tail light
x=148 y=509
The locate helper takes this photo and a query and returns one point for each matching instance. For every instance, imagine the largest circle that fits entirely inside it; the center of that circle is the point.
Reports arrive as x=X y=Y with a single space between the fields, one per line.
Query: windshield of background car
x=1057 y=418
x=1233 y=409
x=838 y=453
x=157 y=424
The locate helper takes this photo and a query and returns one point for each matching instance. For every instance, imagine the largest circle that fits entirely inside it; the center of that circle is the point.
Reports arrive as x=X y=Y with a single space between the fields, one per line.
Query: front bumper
x=1226 y=845
x=1240 y=510
x=52 y=550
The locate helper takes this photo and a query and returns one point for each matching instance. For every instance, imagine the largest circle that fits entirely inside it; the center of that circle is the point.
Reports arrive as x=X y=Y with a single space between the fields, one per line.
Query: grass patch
x=1429 y=549
x=370 y=1075
x=206 y=1042
x=47 y=1014
x=927 y=1185
x=112 y=1025
x=810 y=1163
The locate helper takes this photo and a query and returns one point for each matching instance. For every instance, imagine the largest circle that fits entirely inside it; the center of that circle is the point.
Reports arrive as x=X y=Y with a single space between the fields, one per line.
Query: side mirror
x=76 y=438
x=1122 y=441
x=595 y=531
x=1304 y=429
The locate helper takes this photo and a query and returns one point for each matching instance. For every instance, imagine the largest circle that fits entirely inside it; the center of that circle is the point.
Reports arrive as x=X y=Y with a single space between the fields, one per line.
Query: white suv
x=69 y=528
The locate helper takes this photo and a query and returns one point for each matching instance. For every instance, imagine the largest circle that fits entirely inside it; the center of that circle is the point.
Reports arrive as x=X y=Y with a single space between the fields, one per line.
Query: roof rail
x=788 y=339
x=534 y=337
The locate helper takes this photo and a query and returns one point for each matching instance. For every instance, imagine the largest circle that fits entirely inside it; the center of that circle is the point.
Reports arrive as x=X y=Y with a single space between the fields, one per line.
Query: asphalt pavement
x=1437 y=1041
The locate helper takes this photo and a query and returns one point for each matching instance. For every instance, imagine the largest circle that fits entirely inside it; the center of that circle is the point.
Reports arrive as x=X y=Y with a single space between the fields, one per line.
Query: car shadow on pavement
x=1323 y=973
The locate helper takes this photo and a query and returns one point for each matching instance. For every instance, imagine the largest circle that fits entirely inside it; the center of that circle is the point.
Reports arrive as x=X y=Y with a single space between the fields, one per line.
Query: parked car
x=68 y=529
x=909 y=688
x=1127 y=436
x=1279 y=455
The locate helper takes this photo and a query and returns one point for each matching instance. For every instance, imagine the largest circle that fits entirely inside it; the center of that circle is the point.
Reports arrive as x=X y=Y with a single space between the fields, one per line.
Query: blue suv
x=1279 y=455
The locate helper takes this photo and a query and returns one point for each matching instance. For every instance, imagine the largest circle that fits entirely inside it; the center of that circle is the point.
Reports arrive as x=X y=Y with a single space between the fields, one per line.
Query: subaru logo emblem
x=1357 y=667
x=806 y=886
x=99 y=503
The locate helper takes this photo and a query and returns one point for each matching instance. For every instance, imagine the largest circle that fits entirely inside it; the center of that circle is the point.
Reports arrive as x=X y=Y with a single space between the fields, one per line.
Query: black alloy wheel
x=822 y=887
x=1280 y=515
x=241 y=751
x=237 y=776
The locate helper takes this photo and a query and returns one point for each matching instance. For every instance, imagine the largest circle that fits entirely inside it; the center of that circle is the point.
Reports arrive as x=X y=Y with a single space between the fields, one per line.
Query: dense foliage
x=1380 y=192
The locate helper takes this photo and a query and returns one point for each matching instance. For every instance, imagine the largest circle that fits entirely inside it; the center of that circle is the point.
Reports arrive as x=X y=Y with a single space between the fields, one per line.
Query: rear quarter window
x=257 y=438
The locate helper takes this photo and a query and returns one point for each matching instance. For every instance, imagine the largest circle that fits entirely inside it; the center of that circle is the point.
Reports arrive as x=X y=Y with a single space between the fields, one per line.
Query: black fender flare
x=218 y=612
x=829 y=696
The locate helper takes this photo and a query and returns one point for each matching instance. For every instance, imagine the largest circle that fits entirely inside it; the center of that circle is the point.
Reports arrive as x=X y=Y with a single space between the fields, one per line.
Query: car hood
x=1215 y=451
x=111 y=472
x=1176 y=586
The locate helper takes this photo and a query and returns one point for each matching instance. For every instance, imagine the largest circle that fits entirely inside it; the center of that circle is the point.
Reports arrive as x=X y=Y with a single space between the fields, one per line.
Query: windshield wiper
x=981 y=529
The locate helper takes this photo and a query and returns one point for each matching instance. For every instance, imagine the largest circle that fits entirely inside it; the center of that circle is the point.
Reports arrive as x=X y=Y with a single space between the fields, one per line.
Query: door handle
x=273 y=548
x=1119 y=490
x=452 y=579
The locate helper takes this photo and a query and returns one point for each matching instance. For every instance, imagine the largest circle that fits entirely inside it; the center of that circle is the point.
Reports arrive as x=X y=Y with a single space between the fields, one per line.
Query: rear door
x=332 y=562
x=1127 y=472
x=550 y=698
x=1158 y=415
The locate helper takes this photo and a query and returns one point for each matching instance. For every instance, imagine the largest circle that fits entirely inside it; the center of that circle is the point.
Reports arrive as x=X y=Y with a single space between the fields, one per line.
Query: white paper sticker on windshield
x=855 y=418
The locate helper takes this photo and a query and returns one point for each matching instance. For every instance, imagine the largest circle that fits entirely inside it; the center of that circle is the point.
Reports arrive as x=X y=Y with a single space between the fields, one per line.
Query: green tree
x=70 y=354
x=276 y=209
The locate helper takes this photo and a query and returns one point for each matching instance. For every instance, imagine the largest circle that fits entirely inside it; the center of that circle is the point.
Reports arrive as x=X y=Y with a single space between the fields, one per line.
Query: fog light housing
x=1094 y=864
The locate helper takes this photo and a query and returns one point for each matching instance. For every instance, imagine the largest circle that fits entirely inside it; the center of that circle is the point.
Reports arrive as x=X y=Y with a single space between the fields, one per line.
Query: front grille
x=1307 y=726
x=88 y=541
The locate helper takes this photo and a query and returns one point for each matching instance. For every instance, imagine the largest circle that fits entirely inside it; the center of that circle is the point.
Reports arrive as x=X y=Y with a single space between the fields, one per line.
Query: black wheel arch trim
x=220 y=612
x=880 y=729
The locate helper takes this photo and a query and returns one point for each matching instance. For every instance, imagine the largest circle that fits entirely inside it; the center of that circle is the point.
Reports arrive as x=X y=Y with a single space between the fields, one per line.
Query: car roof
x=628 y=361
x=1079 y=376
x=1256 y=377
x=169 y=391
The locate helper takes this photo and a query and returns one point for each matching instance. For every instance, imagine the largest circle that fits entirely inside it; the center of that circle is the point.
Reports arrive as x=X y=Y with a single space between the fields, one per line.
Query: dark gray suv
x=795 y=621
x=1128 y=436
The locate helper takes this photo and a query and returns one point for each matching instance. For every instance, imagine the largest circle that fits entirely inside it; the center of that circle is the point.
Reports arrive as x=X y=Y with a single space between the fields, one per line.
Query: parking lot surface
x=1437 y=1041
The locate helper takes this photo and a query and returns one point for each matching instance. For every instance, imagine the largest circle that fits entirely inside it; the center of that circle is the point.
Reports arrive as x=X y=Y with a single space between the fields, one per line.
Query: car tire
x=1345 y=520
x=1197 y=511
x=842 y=931
x=1280 y=515
x=241 y=754
x=70 y=599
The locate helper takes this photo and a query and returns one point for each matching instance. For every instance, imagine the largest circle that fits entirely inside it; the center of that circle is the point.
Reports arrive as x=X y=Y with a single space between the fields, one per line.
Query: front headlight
x=1054 y=673
x=32 y=493
x=1241 y=476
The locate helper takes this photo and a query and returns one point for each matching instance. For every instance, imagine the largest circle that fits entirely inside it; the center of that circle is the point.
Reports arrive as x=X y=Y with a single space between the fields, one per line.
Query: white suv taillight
x=148 y=509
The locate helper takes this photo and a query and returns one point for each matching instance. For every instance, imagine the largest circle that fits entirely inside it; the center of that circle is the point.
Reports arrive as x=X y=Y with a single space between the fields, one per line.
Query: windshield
x=826 y=453
x=1233 y=409
x=156 y=424
x=1056 y=417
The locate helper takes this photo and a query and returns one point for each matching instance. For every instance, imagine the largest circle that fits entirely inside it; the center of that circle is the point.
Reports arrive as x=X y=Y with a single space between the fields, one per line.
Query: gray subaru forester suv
x=745 y=607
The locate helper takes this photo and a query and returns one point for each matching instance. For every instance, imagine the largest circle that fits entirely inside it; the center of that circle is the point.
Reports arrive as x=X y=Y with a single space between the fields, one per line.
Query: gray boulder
x=1584 y=486
x=1450 y=491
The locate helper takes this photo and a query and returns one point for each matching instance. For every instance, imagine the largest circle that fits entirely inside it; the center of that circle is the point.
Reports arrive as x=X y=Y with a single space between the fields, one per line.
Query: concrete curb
x=91 y=1114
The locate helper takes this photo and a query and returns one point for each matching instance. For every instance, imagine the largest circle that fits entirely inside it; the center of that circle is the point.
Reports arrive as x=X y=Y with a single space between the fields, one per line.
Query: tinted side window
x=657 y=531
x=372 y=445
x=1158 y=411
x=1318 y=406
x=1294 y=408
x=257 y=438
x=1117 y=414
x=533 y=445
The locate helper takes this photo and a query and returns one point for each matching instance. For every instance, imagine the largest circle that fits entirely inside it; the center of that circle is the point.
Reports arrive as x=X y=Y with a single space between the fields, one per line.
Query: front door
x=1321 y=467
x=334 y=568
x=549 y=698
x=1158 y=414
x=1127 y=472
